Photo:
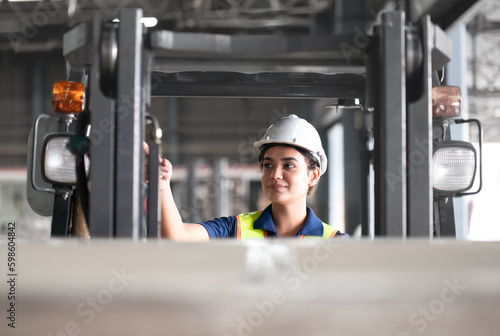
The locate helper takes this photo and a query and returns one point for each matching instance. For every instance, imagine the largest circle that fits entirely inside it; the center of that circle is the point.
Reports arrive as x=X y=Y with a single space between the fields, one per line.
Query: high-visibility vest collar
x=245 y=229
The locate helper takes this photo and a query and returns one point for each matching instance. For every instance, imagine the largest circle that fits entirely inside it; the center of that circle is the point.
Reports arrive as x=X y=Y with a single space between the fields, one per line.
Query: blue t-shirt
x=225 y=227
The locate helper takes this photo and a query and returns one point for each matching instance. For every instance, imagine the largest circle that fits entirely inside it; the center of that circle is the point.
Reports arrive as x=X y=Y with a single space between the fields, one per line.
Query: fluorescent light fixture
x=454 y=166
x=147 y=21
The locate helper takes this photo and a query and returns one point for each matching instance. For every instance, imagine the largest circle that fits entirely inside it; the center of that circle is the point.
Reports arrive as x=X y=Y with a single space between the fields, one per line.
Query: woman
x=292 y=160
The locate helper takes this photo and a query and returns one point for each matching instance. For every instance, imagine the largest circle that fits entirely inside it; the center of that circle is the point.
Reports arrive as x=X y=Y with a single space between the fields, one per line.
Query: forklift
x=87 y=165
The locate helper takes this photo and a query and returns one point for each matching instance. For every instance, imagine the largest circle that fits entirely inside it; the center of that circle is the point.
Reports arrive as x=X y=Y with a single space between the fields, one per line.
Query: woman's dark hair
x=311 y=161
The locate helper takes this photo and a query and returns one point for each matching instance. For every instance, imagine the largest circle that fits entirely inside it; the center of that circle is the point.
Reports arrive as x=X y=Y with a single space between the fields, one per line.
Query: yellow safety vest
x=245 y=230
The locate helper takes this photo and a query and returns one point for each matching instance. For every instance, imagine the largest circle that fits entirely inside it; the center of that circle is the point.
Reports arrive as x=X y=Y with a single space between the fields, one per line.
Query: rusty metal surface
x=273 y=287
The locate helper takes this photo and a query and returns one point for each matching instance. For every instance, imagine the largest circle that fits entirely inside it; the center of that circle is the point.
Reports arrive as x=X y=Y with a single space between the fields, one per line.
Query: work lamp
x=454 y=166
x=453 y=162
x=59 y=162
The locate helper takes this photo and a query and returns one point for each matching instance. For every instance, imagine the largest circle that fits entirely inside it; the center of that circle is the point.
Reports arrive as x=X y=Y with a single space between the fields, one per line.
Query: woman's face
x=285 y=177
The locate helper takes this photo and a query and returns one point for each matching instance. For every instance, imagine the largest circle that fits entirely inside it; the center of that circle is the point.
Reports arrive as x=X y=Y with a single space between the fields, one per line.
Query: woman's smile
x=277 y=187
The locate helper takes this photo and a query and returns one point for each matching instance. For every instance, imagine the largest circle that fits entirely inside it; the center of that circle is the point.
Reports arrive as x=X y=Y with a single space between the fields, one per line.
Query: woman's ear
x=314 y=177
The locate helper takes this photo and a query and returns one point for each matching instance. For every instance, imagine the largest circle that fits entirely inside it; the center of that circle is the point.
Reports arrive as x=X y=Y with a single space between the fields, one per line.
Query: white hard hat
x=295 y=131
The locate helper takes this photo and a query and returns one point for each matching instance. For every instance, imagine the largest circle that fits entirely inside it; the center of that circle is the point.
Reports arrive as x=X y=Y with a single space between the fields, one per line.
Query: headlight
x=454 y=166
x=58 y=160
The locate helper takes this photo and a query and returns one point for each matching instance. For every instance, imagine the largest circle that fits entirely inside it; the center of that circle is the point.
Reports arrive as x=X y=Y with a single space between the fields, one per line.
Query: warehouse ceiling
x=39 y=25
x=30 y=26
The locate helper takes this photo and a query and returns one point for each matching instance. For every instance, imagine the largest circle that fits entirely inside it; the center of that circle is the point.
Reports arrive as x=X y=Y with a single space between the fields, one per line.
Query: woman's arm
x=172 y=226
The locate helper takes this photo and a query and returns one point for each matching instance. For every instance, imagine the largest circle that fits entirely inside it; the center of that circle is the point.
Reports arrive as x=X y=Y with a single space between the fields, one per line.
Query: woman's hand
x=165 y=169
x=165 y=173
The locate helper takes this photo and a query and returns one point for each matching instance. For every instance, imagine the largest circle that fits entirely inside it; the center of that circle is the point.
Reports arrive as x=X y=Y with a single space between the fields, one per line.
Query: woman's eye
x=267 y=165
x=289 y=166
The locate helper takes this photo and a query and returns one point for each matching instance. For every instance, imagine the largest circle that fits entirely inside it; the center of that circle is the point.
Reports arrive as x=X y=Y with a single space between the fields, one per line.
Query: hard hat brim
x=258 y=144
x=319 y=156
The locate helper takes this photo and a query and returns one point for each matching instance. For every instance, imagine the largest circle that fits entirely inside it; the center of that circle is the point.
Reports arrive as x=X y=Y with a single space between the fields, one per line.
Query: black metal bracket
x=153 y=139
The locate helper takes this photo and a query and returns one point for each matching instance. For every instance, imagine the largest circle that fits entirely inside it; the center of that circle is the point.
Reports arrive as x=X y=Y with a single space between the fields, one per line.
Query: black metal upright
x=102 y=145
x=390 y=127
x=152 y=194
x=61 y=215
x=130 y=114
x=419 y=127
x=153 y=138
x=365 y=157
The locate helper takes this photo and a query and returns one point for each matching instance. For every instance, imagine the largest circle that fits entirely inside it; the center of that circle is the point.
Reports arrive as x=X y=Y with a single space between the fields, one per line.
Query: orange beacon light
x=68 y=97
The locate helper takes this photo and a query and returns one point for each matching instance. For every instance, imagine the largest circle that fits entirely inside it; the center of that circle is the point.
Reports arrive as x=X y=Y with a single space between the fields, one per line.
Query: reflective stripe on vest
x=245 y=230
